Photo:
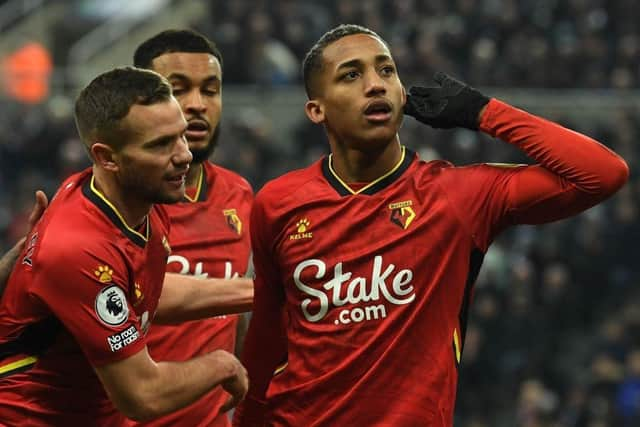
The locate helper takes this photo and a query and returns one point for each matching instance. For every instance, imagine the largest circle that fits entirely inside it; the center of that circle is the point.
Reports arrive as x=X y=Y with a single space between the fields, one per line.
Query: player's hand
x=450 y=104
x=9 y=259
x=237 y=385
x=38 y=209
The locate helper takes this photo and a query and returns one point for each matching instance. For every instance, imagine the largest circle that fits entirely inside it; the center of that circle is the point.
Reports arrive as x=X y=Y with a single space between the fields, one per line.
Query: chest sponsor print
x=363 y=298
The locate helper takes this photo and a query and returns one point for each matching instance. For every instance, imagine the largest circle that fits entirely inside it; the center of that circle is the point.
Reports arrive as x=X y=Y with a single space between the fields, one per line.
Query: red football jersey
x=209 y=238
x=82 y=294
x=374 y=285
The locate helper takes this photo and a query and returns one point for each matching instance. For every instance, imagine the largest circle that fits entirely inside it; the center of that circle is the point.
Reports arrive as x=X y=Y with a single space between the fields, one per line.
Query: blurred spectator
x=26 y=73
x=628 y=396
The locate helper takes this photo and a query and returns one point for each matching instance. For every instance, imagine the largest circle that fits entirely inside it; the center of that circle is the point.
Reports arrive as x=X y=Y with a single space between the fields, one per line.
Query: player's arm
x=573 y=173
x=8 y=260
x=98 y=313
x=187 y=297
x=143 y=389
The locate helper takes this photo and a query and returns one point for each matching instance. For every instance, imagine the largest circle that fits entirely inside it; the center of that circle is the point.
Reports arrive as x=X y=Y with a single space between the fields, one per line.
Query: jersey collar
x=94 y=195
x=374 y=186
x=202 y=188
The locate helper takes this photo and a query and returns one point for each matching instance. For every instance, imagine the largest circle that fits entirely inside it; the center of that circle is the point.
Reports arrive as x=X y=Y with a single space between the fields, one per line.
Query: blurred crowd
x=554 y=334
x=532 y=43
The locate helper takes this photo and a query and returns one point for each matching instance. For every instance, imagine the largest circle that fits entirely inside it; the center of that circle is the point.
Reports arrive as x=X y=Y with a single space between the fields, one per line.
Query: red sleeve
x=86 y=288
x=265 y=344
x=573 y=173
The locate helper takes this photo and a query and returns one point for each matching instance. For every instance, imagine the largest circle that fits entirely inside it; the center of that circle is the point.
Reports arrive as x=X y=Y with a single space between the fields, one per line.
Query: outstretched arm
x=187 y=297
x=143 y=389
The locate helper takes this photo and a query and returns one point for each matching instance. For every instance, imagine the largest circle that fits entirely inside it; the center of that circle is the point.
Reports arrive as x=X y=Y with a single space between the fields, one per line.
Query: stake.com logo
x=398 y=291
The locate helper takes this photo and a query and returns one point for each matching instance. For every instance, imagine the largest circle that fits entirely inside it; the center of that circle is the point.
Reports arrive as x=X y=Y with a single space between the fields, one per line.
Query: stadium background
x=554 y=335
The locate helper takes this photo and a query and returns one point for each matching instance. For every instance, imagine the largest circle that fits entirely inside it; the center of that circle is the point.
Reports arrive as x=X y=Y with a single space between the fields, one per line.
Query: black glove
x=451 y=104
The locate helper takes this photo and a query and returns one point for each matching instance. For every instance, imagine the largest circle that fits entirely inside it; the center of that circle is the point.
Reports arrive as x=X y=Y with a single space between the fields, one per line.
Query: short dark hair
x=170 y=41
x=313 y=62
x=105 y=101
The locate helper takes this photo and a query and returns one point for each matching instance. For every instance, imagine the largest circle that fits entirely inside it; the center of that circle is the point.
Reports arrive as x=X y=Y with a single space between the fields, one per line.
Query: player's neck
x=193 y=175
x=353 y=165
x=132 y=209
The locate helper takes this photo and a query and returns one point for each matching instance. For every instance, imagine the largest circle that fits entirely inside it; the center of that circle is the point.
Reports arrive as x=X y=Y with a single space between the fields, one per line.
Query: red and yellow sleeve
x=88 y=293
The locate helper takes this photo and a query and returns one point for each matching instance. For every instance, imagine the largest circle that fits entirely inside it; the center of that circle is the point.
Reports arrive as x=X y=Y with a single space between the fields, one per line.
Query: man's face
x=360 y=94
x=153 y=163
x=196 y=79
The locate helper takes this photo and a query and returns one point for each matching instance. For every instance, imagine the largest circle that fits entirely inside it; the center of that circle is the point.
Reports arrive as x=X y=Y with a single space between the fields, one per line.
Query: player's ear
x=404 y=95
x=103 y=156
x=315 y=111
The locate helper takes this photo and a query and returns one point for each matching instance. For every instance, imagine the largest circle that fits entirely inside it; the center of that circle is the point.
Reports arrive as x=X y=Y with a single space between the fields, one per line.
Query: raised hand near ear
x=450 y=104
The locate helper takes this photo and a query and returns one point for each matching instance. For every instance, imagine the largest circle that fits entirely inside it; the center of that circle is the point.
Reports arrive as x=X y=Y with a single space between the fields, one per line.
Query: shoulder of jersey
x=435 y=166
x=69 y=224
x=70 y=185
x=163 y=214
x=64 y=209
x=77 y=242
x=291 y=182
x=232 y=178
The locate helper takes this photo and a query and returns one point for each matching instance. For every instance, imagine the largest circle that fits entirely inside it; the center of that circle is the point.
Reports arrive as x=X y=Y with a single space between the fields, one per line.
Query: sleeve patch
x=111 y=306
x=122 y=339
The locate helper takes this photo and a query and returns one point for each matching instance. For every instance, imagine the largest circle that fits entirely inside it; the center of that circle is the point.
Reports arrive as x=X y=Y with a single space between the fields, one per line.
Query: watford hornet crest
x=402 y=214
x=233 y=220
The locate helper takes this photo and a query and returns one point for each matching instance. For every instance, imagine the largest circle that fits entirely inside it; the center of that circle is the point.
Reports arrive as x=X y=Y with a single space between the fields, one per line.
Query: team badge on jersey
x=104 y=273
x=111 y=306
x=302 y=230
x=233 y=220
x=402 y=214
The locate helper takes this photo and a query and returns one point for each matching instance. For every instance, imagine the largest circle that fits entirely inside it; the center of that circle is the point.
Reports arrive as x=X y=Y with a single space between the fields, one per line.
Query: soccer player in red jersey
x=89 y=280
x=210 y=227
x=365 y=261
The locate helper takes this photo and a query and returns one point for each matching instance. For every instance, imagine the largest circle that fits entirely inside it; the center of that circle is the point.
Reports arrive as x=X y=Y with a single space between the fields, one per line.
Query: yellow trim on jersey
x=104 y=199
x=280 y=368
x=199 y=187
x=456 y=344
x=30 y=360
x=372 y=183
x=505 y=165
